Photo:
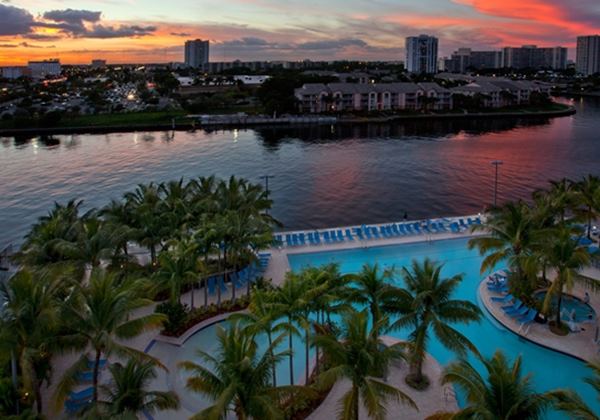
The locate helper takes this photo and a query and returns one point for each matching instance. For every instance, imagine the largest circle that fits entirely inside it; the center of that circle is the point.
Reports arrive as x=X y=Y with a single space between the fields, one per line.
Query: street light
x=266 y=178
x=496 y=163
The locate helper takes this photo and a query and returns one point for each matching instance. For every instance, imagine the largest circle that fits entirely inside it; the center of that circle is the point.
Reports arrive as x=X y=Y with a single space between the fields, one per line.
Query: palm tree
x=127 y=392
x=504 y=394
x=372 y=288
x=427 y=306
x=29 y=320
x=238 y=378
x=588 y=196
x=361 y=357
x=289 y=302
x=145 y=203
x=99 y=316
x=178 y=266
x=509 y=231
x=176 y=204
x=260 y=319
x=120 y=220
x=566 y=257
x=571 y=403
x=563 y=196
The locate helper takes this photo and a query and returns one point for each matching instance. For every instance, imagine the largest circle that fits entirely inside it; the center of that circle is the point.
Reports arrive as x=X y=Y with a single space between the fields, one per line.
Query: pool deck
x=580 y=345
x=435 y=399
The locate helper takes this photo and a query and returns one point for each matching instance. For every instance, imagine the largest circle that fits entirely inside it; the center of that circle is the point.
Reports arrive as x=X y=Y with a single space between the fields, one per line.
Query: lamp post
x=496 y=163
x=266 y=178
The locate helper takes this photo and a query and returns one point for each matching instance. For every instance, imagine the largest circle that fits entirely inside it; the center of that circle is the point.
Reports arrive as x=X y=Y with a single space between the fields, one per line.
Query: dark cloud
x=181 y=34
x=332 y=44
x=73 y=16
x=101 y=31
x=15 y=21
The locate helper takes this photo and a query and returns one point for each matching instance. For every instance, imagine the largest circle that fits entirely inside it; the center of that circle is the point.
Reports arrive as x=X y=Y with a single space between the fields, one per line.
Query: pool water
x=583 y=311
x=550 y=369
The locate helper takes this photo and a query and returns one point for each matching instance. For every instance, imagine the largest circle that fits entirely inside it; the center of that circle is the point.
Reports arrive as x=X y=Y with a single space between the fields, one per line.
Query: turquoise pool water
x=583 y=311
x=550 y=369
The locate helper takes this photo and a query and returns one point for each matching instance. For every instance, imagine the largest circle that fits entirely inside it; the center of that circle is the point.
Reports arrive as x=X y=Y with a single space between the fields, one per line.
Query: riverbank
x=181 y=122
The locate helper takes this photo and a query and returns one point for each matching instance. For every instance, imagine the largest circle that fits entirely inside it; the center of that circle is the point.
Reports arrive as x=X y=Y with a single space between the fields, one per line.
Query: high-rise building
x=421 y=54
x=588 y=54
x=530 y=56
x=44 y=68
x=98 y=64
x=486 y=60
x=196 y=54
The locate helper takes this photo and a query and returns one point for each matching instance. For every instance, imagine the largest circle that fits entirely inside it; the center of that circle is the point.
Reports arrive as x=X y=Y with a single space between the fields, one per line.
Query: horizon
x=265 y=30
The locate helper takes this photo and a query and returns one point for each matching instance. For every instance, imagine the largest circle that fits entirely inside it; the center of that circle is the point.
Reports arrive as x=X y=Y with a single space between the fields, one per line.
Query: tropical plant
x=508 y=238
x=99 y=316
x=361 y=357
x=567 y=258
x=128 y=393
x=427 y=307
x=238 y=377
x=587 y=195
x=178 y=266
x=373 y=288
x=29 y=320
x=504 y=394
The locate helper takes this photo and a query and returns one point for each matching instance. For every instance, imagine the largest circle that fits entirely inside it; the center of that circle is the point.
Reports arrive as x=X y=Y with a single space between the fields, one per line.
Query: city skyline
x=151 y=31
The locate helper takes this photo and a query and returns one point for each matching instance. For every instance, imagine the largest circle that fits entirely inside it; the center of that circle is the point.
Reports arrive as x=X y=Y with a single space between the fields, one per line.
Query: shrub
x=176 y=313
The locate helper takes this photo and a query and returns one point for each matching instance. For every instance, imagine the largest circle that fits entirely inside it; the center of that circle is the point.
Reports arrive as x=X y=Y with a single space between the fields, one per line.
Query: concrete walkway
x=435 y=399
x=581 y=345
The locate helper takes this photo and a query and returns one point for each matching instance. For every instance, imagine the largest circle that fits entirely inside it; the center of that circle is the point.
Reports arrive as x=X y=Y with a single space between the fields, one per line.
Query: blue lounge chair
x=432 y=227
x=441 y=227
x=383 y=232
x=326 y=237
x=454 y=227
x=86 y=376
x=359 y=232
x=416 y=228
x=375 y=232
x=519 y=312
x=367 y=231
x=73 y=407
x=527 y=319
x=395 y=230
x=514 y=306
x=340 y=236
x=503 y=299
x=310 y=237
x=389 y=231
x=317 y=237
x=221 y=283
x=211 y=285
x=83 y=395
x=349 y=235
x=332 y=236
x=300 y=239
x=288 y=240
x=462 y=224
x=278 y=241
x=402 y=229
x=101 y=364
x=426 y=229
x=408 y=229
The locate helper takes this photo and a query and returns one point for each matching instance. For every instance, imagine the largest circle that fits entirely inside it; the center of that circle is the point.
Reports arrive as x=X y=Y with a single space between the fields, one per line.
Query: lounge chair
x=441 y=227
x=288 y=240
x=349 y=235
x=367 y=231
x=317 y=237
x=359 y=232
x=527 y=320
x=83 y=395
x=395 y=230
x=278 y=241
x=340 y=236
x=515 y=313
x=417 y=228
x=211 y=285
x=383 y=232
x=514 y=306
x=426 y=229
x=311 y=239
x=454 y=227
x=462 y=224
x=503 y=299
x=221 y=283
x=432 y=227
x=408 y=229
x=101 y=364
x=302 y=238
x=375 y=232
x=326 y=237
x=73 y=407
x=333 y=236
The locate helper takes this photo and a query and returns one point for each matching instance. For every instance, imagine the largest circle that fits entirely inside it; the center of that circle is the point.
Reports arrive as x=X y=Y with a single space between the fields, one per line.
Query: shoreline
x=127 y=128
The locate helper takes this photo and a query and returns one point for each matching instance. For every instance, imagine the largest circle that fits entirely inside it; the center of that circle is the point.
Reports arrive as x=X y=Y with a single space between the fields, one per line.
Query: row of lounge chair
x=373 y=232
x=78 y=400
x=516 y=309
x=239 y=278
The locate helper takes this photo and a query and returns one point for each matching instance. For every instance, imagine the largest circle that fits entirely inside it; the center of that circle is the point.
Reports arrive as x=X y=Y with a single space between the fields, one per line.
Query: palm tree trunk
x=153 y=254
x=558 y=320
x=95 y=376
x=291 y=358
x=205 y=292
x=233 y=288
x=355 y=401
x=37 y=385
x=307 y=355
x=192 y=298
x=589 y=228
x=270 y=337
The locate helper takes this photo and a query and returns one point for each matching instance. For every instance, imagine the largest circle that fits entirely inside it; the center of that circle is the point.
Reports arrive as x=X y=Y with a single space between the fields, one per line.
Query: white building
x=588 y=54
x=44 y=68
x=13 y=72
x=421 y=54
x=197 y=53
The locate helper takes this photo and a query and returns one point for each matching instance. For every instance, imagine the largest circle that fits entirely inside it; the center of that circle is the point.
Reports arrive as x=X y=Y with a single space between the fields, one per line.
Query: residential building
x=98 y=64
x=421 y=54
x=459 y=61
x=530 y=56
x=44 y=68
x=480 y=60
x=197 y=54
x=13 y=72
x=588 y=54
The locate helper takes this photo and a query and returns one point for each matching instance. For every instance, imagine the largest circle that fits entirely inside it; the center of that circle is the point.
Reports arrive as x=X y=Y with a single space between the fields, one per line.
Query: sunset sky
x=154 y=30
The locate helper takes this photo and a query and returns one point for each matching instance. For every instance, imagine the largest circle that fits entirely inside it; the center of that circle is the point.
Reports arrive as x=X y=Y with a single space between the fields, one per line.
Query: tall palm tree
x=98 y=317
x=572 y=404
x=372 y=287
x=509 y=229
x=289 y=301
x=427 y=307
x=120 y=220
x=588 y=196
x=566 y=257
x=361 y=357
x=128 y=391
x=29 y=320
x=504 y=394
x=145 y=203
x=238 y=378
x=178 y=266
x=563 y=196
x=175 y=204
x=260 y=319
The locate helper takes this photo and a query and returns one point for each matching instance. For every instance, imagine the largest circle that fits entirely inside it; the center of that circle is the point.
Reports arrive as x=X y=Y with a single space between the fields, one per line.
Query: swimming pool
x=582 y=311
x=551 y=369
